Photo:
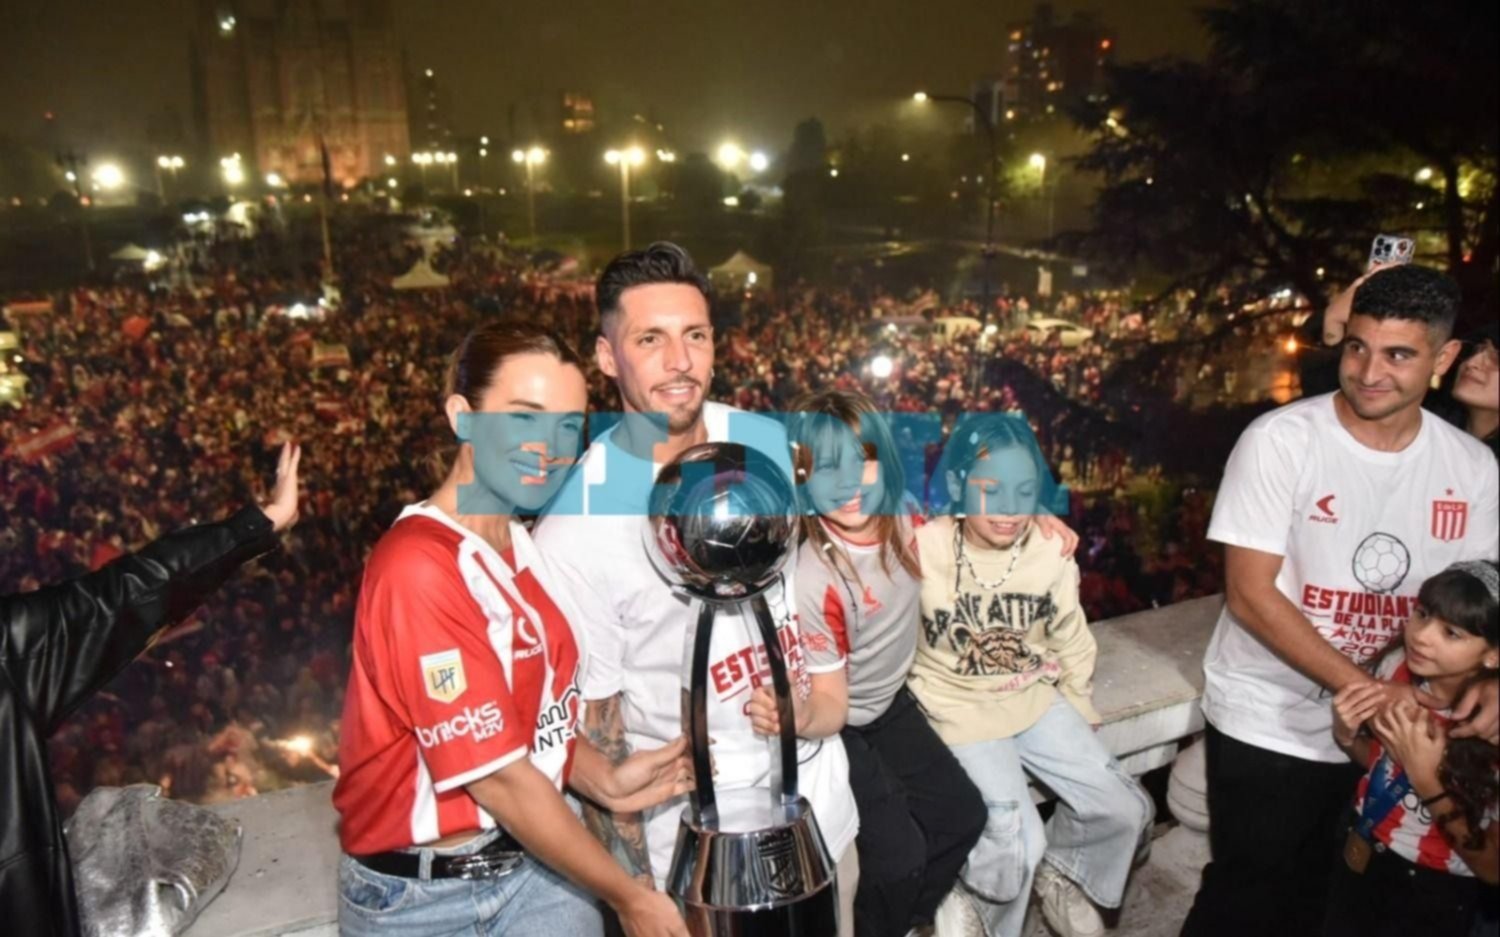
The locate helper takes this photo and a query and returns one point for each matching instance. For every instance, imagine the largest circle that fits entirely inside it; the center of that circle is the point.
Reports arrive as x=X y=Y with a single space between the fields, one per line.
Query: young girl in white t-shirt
x=1424 y=833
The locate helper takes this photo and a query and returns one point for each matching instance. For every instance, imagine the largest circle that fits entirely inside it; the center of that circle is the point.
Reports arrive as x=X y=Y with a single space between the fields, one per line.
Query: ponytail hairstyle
x=818 y=422
x=472 y=367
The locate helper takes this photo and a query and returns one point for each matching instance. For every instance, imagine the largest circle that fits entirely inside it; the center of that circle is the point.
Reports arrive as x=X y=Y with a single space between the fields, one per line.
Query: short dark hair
x=1410 y=292
x=662 y=262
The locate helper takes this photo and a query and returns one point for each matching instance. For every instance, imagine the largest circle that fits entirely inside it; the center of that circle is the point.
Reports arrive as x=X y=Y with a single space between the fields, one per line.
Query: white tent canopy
x=130 y=252
x=421 y=276
x=741 y=272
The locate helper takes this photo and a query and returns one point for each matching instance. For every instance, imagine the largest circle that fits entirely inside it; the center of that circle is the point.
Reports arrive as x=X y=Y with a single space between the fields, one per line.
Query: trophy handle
x=705 y=805
x=784 y=767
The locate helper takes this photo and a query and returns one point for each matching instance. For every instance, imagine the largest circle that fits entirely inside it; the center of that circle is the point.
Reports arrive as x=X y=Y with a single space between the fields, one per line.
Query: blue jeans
x=532 y=901
x=1091 y=838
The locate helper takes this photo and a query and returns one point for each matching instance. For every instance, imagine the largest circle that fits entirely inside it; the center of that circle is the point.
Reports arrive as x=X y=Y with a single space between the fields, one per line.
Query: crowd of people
x=154 y=406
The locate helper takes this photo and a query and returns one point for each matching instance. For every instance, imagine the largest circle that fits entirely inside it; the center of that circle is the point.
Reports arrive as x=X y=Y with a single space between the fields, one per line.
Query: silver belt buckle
x=485 y=865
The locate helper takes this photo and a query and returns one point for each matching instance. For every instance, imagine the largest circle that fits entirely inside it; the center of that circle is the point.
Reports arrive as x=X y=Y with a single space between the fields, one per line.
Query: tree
x=1303 y=134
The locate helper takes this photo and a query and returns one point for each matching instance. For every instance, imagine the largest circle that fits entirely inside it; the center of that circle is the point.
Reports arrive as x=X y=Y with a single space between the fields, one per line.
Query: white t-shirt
x=636 y=628
x=1360 y=530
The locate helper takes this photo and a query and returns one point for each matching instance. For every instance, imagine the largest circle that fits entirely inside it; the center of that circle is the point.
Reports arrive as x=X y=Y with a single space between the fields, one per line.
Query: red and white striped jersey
x=1408 y=830
x=464 y=662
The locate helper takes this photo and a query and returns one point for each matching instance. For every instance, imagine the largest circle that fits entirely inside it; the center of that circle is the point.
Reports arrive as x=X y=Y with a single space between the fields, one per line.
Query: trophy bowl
x=722 y=522
x=749 y=862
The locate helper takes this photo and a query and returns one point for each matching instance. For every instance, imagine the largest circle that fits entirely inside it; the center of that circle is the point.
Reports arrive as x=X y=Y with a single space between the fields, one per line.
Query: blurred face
x=1478 y=384
x=1436 y=649
x=1387 y=365
x=526 y=434
x=660 y=351
x=1000 y=497
x=843 y=481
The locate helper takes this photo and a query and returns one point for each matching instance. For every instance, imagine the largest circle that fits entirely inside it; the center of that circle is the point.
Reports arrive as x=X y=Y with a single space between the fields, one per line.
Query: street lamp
x=232 y=170
x=448 y=159
x=422 y=159
x=983 y=120
x=172 y=164
x=730 y=155
x=531 y=158
x=1038 y=161
x=108 y=176
x=626 y=158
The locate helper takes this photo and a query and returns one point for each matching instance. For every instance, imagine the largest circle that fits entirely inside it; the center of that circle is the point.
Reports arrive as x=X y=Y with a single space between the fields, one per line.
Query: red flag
x=135 y=327
x=103 y=553
x=329 y=408
x=44 y=442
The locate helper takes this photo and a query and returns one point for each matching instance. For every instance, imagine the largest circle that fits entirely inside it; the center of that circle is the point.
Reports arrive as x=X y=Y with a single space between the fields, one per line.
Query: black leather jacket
x=57 y=647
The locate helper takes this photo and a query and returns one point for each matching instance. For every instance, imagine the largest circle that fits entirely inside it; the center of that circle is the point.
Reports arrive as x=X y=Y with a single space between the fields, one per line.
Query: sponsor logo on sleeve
x=443 y=676
x=477 y=724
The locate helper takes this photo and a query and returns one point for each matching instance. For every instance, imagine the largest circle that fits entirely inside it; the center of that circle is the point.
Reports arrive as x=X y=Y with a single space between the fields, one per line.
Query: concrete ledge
x=1147 y=686
x=1150 y=678
x=287 y=879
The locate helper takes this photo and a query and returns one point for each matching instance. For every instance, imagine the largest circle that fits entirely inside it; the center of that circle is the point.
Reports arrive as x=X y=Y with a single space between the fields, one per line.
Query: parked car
x=1070 y=334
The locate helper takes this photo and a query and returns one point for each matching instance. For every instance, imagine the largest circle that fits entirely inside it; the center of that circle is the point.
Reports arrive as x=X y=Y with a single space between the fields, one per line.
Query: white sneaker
x=956 y=917
x=1067 y=909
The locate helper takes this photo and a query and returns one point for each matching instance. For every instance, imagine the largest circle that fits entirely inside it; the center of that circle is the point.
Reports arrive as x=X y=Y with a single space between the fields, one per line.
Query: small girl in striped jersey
x=1424 y=832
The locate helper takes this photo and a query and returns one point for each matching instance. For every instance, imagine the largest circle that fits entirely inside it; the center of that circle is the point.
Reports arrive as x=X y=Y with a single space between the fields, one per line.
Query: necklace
x=964 y=562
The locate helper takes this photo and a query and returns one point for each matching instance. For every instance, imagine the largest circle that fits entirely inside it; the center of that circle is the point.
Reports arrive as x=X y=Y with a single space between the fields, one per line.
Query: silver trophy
x=747 y=863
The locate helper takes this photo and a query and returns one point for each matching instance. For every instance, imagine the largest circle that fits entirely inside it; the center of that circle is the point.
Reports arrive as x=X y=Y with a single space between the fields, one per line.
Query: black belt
x=500 y=857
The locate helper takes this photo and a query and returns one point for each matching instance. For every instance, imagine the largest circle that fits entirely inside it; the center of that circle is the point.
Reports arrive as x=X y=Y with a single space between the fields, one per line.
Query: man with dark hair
x=662 y=262
x=638 y=351
x=1413 y=294
x=656 y=343
x=1333 y=511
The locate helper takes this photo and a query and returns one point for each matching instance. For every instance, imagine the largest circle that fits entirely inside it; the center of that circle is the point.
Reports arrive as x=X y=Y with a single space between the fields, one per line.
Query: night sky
x=709 y=69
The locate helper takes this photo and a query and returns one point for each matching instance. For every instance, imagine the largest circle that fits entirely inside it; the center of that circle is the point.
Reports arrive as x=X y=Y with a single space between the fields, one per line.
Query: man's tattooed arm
x=623 y=834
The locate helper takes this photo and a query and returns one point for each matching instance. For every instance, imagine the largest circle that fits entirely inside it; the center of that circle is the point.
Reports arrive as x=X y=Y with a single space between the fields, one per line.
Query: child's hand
x=1415 y=740
x=763 y=713
x=1352 y=706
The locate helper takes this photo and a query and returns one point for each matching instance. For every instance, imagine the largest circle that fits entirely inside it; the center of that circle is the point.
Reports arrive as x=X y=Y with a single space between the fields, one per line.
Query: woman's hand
x=1353 y=705
x=1053 y=526
x=282 y=507
x=1336 y=316
x=1415 y=740
x=651 y=777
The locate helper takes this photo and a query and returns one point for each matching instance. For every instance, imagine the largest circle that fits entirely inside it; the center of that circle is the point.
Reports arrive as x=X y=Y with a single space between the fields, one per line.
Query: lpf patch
x=443 y=676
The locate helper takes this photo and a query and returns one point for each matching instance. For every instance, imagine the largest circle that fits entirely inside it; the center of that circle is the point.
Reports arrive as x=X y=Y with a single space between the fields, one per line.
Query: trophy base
x=814 y=916
x=761 y=871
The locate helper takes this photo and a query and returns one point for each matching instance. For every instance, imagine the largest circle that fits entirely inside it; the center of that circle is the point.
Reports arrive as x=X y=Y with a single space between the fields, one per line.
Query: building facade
x=275 y=81
x=1049 y=65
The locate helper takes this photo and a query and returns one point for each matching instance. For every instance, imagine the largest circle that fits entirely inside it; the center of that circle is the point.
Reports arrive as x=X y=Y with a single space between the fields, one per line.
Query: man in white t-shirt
x=657 y=345
x=1333 y=510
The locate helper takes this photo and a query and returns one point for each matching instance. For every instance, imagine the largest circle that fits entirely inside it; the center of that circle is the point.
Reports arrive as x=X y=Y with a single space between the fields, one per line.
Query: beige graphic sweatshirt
x=991 y=661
